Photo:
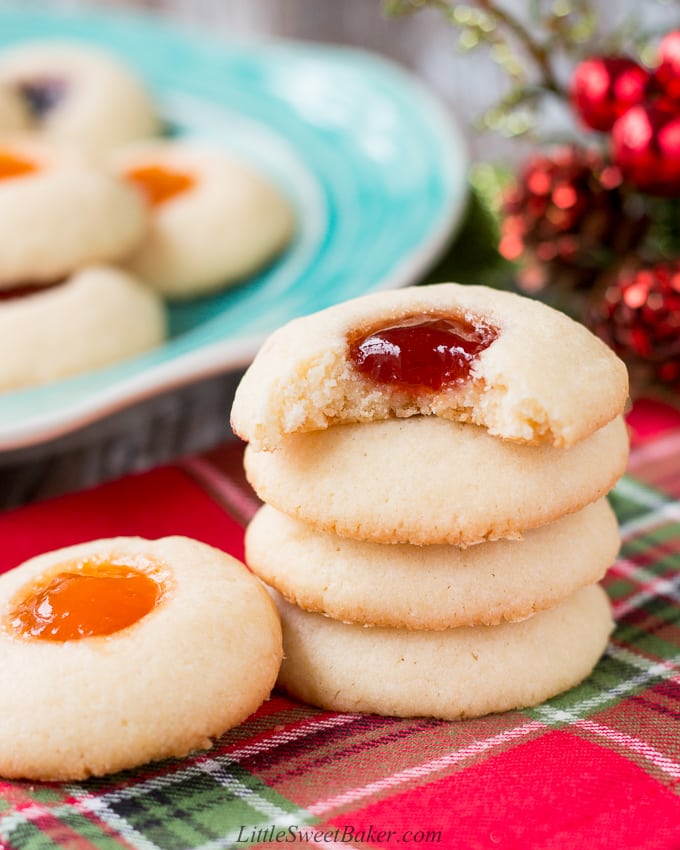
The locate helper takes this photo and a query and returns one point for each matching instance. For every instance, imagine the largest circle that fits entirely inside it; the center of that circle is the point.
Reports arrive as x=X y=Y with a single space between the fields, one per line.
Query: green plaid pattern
x=312 y=777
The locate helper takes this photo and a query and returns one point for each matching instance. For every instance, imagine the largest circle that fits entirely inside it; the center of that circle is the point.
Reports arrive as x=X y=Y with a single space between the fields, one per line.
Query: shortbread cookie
x=451 y=674
x=59 y=212
x=14 y=116
x=519 y=368
x=428 y=480
x=93 y=318
x=214 y=219
x=79 y=94
x=118 y=652
x=431 y=587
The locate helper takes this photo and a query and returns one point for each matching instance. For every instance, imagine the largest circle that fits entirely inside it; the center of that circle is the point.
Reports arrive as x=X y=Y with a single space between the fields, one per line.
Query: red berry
x=604 y=88
x=667 y=74
x=639 y=317
x=562 y=213
x=646 y=147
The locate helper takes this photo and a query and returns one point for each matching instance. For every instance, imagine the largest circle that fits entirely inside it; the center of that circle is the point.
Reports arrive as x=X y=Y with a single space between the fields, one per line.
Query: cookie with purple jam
x=78 y=94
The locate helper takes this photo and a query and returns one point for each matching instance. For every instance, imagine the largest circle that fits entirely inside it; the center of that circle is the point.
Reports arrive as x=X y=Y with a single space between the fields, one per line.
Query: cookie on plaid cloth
x=511 y=364
x=452 y=674
x=59 y=212
x=78 y=94
x=428 y=480
x=121 y=651
x=431 y=587
x=214 y=220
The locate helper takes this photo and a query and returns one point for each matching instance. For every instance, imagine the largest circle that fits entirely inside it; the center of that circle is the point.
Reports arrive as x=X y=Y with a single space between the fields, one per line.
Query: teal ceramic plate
x=373 y=164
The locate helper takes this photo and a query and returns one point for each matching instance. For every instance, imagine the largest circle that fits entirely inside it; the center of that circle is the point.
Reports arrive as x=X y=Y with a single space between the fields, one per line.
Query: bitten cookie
x=214 y=220
x=58 y=213
x=431 y=587
x=511 y=364
x=452 y=674
x=95 y=317
x=118 y=652
x=78 y=94
x=428 y=480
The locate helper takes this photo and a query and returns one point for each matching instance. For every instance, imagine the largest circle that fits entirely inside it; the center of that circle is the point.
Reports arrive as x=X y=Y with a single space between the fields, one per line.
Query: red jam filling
x=423 y=351
x=24 y=290
x=12 y=165
x=89 y=600
x=159 y=184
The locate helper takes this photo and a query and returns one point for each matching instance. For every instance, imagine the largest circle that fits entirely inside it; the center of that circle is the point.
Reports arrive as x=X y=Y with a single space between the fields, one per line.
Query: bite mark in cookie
x=526 y=373
x=420 y=352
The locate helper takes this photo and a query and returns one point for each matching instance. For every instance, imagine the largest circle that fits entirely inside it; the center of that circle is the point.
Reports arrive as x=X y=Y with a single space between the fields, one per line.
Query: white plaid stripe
x=653 y=586
x=660 y=508
x=635 y=745
x=323 y=807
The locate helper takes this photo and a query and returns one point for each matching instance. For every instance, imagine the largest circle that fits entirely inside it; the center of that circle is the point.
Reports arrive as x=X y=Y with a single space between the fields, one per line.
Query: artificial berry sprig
x=594 y=225
x=528 y=47
x=640 y=109
x=605 y=87
x=639 y=316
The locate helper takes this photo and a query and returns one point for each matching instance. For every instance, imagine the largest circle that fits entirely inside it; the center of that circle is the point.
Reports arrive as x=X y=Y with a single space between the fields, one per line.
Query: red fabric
x=165 y=501
x=650 y=418
x=530 y=796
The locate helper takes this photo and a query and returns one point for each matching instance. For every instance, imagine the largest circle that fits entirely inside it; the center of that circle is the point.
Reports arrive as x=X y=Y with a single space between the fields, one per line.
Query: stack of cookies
x=434 y=463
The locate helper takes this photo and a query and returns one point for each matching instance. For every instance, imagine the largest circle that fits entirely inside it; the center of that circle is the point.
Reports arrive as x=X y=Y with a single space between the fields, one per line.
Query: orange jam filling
x=12 y=165
x=88 y=600
x=159 y=183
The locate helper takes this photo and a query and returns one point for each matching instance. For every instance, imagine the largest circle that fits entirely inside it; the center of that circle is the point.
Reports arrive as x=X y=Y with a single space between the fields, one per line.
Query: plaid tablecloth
x=598 y=767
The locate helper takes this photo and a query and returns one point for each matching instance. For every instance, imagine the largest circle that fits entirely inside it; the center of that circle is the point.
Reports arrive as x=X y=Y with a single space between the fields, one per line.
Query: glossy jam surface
x=43 y=94
x=423 y=351
x=159 y=184
x=12 y=165
x=89 y=600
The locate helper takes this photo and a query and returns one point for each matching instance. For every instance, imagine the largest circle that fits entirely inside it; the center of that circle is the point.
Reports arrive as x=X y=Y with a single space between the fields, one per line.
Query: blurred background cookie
x=79 y=94
x=132 y=650
x=59 y=212
x=214 y=220
x=92 y=318
x=14 y=114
